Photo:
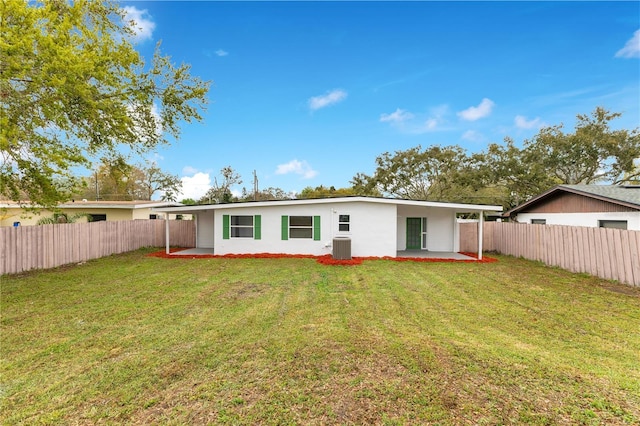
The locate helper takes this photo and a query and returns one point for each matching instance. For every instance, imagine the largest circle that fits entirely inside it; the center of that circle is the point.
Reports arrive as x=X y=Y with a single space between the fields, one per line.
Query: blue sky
x=310 y=93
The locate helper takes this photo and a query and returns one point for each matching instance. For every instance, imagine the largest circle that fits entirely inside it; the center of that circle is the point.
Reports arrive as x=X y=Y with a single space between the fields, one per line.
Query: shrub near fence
x=612 y=254
x=46 y=246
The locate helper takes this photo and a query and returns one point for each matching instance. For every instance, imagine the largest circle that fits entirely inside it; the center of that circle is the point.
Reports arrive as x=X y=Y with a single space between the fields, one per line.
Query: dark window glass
x=300 y=233
x=241 y=232
x=241 y=220
x=343 y=222
x=616 y=224
x=300 y=221
x=97 y=217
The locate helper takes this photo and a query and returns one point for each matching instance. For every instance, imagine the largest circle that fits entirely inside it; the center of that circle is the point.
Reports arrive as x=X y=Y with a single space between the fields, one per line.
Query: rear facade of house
x=375 y=227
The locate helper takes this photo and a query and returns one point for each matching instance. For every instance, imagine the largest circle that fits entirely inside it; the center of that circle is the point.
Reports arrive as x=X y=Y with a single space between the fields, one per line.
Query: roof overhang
x=458 y=207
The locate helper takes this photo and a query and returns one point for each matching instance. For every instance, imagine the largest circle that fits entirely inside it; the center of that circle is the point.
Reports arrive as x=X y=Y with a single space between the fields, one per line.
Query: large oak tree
x=73 y=88
x=506 y=174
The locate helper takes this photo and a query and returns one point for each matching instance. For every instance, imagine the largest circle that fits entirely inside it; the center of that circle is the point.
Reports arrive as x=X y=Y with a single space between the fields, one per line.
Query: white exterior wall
x=583 y=219
x=205 y=229
x=442 y=229
x=372 y=229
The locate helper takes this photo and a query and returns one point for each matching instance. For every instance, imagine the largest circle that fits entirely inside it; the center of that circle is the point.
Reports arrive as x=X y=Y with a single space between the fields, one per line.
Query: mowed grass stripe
x=133 y=339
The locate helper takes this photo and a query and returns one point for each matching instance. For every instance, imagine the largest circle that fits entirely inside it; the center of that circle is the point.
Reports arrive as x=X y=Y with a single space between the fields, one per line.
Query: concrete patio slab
x=418 y=254
x=424 y=254
x=193 y=251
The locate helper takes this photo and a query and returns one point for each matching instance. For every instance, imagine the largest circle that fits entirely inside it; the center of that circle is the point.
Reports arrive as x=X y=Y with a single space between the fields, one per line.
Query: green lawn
x=137 y=340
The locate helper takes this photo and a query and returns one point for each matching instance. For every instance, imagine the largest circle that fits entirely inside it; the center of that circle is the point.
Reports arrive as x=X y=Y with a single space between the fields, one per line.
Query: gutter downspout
x=480 y=233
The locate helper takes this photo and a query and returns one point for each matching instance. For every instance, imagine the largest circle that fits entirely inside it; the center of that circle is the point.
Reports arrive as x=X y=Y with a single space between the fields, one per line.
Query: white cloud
x=472 y=135
x=408 y=122
x=331 y=98
x=431 y=123
x=475 y=113
x=521 y=122
x=301 y=168
x=221 y=52
x=194 y=186
x=140 y=21
x=188 y=170
x=398 y=116
x=632 y=48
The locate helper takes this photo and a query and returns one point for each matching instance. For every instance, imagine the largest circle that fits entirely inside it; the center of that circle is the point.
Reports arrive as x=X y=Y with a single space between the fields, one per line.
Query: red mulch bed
x=327 y=259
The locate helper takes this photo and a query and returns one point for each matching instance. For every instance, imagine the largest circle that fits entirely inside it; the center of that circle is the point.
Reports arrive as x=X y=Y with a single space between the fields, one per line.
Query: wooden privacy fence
x=613 y=254
x=46 y=246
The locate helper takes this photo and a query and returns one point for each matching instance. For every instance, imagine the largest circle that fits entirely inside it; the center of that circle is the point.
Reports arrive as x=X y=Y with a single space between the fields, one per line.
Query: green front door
x=414 y=233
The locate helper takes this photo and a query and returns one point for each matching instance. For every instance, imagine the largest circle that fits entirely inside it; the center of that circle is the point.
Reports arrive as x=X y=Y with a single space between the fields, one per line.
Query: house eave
x=459 y=207
x=567 y=189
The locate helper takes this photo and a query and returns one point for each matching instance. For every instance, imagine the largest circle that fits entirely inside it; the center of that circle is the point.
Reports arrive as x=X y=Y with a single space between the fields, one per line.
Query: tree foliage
x=115 y=179
x=267 y=194
x=63 y=217
x=325 y=192
x=188 y=202
x=593 y=153
x=73 y=88
x=153 y=179
x=505 y=174
x=220 y=191
x=414 y=173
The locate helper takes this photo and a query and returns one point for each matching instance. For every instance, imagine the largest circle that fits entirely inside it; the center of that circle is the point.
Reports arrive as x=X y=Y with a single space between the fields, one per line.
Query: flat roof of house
x=311 y=201
x=625 y=195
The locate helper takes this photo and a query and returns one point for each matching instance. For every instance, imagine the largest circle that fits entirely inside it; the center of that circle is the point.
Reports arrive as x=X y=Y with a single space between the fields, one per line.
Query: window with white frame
x=344 y=223
x=241 y=227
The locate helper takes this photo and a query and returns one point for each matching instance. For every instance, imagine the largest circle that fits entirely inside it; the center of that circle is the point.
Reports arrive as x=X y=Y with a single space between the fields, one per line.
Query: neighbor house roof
x=253 y=204
x=624 y=195
x=84 y=204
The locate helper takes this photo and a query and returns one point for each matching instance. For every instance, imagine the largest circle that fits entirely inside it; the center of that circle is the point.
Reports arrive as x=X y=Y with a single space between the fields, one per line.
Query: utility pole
x=97 y=188
x=255 y=186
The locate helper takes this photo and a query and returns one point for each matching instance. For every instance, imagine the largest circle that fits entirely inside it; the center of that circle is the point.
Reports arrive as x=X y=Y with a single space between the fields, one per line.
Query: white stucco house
x=604 y=206
x=375 y=226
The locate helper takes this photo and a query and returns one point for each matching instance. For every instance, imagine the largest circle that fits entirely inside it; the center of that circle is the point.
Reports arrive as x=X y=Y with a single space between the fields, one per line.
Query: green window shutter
x=316 y=228
x=257 y=227
x=285 y=227
x=225 y=227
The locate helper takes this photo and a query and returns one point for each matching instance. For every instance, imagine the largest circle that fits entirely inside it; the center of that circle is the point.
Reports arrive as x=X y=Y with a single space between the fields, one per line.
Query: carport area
x=416 y=254
x=423 y=254
x=192 y=252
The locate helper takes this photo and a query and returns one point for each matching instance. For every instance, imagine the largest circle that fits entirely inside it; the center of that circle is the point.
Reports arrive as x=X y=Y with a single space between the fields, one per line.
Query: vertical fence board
x=607 y=253
x=578 y=257
x=47 y=246
x=634 y=244
x=610 y=250
x=618 y=265
x=580 y=249
x=625 y=257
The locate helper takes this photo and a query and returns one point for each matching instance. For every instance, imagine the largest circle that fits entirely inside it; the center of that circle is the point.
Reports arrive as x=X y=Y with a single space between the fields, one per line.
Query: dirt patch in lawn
x=244 y=291
x=622 y=289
